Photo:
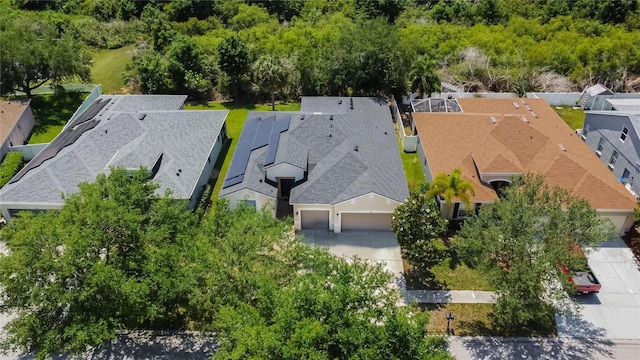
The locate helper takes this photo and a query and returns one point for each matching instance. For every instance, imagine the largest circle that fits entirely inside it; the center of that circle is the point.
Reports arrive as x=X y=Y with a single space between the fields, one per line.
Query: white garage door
x=618 y=222
x=315 y=219
x=366 y=221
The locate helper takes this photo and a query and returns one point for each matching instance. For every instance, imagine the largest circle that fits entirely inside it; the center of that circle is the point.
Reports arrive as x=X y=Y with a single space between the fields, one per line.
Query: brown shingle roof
x=470 y=141
x=10 y=112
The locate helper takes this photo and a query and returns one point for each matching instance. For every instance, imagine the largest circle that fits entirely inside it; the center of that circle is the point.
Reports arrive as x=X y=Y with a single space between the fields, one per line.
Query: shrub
x=9 y=167
x=417 y=224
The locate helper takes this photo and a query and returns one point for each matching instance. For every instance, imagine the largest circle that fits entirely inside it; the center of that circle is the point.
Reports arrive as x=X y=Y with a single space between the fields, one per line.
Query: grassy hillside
x=108 y=66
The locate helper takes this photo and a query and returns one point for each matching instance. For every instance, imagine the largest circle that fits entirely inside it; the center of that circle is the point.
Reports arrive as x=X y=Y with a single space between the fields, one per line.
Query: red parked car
x=586 y=281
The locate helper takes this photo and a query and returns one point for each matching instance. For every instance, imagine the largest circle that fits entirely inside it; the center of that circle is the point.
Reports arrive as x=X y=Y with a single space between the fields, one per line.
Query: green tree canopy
x=271 y=74
x=330 y=310
x=521 y=243
x=116 y=256
x=233 y=59
x=452 y=186
x=35 y=52
x=423 y=76
x=417 y=223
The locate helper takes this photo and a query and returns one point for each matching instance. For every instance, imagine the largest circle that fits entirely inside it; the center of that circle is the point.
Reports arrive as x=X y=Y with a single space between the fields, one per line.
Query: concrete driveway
x=373 y=246
x=614 y=313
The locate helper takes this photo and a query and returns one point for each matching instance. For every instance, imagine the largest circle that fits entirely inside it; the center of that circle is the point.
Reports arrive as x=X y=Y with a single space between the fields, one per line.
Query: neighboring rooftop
x=514 y=136
x=597 y=89
x=347 y=145
x=630 y=105
x=10 y=112
x=174 y=144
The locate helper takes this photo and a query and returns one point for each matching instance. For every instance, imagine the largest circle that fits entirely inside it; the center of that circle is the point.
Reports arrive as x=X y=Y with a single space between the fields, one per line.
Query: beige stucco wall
x=369 y=203
x=621 y=227
x=297 y=215
x=262 y=201
x=284 y=171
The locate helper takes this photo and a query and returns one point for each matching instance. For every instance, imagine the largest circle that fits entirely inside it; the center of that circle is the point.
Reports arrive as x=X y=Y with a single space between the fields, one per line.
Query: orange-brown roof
x=470 y=141
x=10 y=112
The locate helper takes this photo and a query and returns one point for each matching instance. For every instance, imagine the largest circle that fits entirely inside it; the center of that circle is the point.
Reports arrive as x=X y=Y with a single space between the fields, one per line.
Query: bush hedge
x=9 y=167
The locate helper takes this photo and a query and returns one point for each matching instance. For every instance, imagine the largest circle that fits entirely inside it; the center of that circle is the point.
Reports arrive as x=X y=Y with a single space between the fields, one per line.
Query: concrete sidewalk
x=450 y=296
x=498 y=348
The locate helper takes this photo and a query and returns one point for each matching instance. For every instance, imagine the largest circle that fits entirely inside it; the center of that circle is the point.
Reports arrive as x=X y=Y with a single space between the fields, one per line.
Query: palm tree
x=424 y=77
x=270 y=74
x=452 y=186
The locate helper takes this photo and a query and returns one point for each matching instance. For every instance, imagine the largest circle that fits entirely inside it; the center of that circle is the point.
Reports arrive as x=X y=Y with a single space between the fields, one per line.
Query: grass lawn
x=449 y=274
x=473 y=320
x=469 y=319
x=411 y=163
x=235 y=121
x=51 y=113
x=573 y=118
x=108 y=66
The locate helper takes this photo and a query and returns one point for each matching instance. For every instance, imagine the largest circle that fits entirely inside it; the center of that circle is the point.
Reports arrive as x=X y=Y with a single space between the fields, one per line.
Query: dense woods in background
x=218 y=48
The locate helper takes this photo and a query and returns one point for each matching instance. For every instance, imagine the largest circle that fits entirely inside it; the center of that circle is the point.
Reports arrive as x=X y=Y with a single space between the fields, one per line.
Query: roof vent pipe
x=562 y=147
x=355 y=148
x=331 y=117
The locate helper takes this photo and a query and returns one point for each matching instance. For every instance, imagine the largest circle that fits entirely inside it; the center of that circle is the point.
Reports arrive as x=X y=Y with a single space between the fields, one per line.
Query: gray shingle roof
x=183 y=137
x=324 y=134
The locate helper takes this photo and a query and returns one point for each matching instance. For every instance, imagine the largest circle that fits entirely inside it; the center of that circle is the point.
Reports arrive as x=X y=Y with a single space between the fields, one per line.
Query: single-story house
x=16 y=123
x=492 y=140
x=180 y=147
x=333 y=165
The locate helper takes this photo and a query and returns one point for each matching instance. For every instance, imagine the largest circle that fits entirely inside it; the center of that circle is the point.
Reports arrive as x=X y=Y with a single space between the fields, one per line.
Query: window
x=625 y=176
x=612 y=160
x=600 y=146
x=623 y=135
x=585 y=131
x=248 y=203
x=459 y=211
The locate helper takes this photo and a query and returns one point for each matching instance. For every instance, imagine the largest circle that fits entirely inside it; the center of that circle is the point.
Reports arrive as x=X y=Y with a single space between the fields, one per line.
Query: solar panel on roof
x=233 y=181
x=263 y=132
x=257 y=133
x=66 y=138
x=279 y=126
x=90 y=112
x=243 y=151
